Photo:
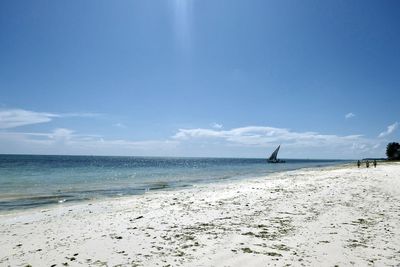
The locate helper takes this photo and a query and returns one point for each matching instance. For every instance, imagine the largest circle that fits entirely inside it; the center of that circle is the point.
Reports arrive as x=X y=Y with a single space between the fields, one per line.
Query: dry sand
x=314 y=217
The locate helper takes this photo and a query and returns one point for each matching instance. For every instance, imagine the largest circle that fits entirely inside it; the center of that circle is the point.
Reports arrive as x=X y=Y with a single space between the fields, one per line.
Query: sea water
x=28 y=181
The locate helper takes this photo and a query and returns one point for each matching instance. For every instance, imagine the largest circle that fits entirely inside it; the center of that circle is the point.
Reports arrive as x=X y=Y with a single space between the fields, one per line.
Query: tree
x=393 y=151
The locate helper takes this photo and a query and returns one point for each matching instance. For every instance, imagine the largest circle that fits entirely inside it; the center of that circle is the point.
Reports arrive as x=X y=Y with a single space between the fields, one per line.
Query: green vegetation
x=393 y=151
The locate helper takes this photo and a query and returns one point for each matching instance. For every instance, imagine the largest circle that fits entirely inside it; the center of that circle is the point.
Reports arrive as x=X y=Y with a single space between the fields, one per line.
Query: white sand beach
x=335 y=216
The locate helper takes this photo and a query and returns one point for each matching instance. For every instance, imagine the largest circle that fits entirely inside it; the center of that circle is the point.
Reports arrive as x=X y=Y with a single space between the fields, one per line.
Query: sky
x=200 y=78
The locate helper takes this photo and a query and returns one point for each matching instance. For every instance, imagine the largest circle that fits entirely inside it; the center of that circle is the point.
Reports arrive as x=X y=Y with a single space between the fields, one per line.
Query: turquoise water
x=33 y=180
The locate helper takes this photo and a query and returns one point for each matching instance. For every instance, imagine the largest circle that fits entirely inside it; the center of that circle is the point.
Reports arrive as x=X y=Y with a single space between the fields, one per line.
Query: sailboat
x=274 y=157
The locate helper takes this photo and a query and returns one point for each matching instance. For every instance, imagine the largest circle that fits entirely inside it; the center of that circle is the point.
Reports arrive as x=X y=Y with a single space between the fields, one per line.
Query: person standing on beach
x=358 y=163
x=374 y=163
x=367 y=164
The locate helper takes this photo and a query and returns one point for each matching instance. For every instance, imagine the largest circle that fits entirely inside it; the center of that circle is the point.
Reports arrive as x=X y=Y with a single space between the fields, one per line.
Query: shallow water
x=34 y=180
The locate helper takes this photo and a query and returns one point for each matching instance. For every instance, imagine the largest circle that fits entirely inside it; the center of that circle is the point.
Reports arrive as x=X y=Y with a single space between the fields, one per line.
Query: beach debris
x=134 y=264
x=282 y=247
x=247 y=250
x=71 y=258
x=248 y=233
x=179 y=253
x=137 y=218
x=273 y=254
x=115 y=236
x=100 y=263
x=353 y=243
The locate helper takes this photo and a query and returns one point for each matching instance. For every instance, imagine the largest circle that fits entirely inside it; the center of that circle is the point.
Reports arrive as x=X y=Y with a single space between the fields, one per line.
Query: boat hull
x=276 y=161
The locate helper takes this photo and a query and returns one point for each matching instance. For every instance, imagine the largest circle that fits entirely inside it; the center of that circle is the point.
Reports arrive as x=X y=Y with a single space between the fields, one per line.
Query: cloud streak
x=12 y=118
x=349 y=115
x=67 y=141
x=390 y=129
x=217 y=125
x=119 y=125
x=260 y=139
x=264 y=136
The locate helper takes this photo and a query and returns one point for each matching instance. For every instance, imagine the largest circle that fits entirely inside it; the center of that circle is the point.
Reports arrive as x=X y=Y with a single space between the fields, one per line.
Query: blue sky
x=200 y=77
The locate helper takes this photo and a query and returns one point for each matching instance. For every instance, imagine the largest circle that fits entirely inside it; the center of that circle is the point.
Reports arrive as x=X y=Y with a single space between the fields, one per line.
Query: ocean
x=28 y=181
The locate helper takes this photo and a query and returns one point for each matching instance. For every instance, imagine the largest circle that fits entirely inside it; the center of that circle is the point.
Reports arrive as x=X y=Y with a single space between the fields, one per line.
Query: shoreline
x=74 y=197
x=282 y=218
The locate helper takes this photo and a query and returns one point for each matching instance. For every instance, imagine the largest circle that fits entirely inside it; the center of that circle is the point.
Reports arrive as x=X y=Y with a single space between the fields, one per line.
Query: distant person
x=367 y=164
x=358 y=163
x=374 y=163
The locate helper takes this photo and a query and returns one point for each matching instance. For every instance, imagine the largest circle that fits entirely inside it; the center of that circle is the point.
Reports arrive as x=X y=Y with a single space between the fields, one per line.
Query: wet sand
x=313 y=217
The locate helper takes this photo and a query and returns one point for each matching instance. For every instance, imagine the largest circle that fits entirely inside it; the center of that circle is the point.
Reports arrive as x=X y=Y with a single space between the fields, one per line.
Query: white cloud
x=66 y=141
x=79 y=114
x=261 y=139
x=390 y=129
x=376 y=146
x=250 y=141
x=264 y=136
x=119 y=125
x=61 y=134
x=349 y=115
x=12 y=118
x=217 y=125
